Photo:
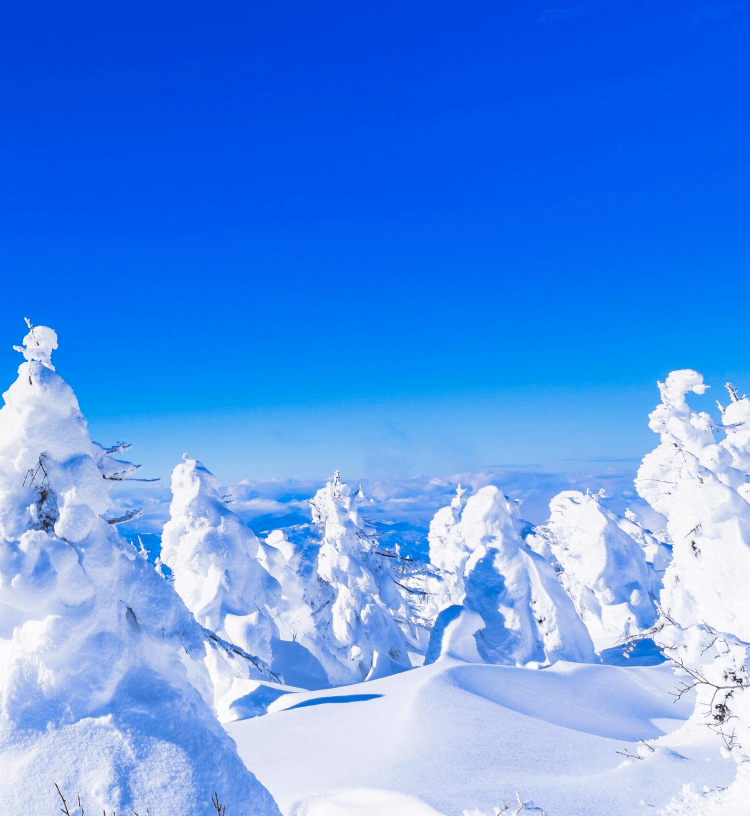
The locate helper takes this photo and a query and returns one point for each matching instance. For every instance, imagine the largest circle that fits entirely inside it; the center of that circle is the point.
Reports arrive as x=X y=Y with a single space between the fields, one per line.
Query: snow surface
x=454 y=737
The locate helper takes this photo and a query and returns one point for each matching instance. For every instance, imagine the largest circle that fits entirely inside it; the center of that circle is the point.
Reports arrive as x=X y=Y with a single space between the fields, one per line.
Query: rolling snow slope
x=455 y=737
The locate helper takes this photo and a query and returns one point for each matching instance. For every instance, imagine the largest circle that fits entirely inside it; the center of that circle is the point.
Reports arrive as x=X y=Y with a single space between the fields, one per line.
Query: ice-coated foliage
x=603 y=569
x=526 y=617
x=356 y=635
x=701 y=486
x=94 y=692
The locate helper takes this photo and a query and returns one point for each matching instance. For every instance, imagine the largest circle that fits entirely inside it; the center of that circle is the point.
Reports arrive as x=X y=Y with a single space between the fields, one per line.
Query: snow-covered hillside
x=584 y=666
x=453 y=738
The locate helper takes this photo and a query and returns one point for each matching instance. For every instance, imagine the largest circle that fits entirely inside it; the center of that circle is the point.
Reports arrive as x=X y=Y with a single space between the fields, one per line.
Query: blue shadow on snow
x=351 y=698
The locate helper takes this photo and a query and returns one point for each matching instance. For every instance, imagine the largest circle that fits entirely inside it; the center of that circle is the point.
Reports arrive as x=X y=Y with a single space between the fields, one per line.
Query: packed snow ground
x=452 y=737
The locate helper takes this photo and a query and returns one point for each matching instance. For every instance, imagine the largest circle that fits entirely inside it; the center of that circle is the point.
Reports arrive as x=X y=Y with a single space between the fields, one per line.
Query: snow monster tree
x=94 y=692
x=504 y=603
x=356 y=636
x=703 y=488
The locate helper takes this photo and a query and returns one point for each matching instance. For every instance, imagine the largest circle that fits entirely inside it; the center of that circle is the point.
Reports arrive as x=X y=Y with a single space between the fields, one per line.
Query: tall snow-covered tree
x=603 y=569
x=213 y=557
x=356 y=635
x=229 y=581
x=94 y=692
x=505 y=604
x=703 y=488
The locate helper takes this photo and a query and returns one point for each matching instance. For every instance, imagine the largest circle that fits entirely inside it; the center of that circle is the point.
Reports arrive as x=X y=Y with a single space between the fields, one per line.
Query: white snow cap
x=92 y=640
x=528 y=618
x=38 y=344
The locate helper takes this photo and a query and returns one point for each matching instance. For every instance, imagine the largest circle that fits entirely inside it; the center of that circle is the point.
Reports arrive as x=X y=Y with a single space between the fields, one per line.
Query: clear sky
x=390 y=237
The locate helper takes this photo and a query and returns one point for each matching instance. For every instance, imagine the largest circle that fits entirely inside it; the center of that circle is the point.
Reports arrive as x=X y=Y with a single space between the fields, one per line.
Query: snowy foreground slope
x=453 y=737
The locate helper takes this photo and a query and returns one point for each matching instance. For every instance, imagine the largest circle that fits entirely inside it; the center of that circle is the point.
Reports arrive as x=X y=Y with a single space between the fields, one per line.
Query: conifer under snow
x=356 y=635
x=230 y=582
x=703 y=488
x=212 y=555
x=94 y=692
x=502 y=602
x=602 y=568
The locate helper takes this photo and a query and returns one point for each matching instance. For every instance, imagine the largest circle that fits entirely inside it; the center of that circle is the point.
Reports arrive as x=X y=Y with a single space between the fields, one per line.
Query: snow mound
x=94 y=692
x=458 y=737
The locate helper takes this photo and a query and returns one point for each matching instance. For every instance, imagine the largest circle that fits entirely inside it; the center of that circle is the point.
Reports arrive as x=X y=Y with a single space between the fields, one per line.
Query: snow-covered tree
x=245 y=591
x=94 y=692
x=505 y=604
x=449 y=553
x=213 y=557
x=703 y=486
x=602 y=568
x=656 y=545
x=356 y=635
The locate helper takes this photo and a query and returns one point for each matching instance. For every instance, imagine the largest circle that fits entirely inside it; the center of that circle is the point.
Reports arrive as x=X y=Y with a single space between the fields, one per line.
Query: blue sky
x=387 y=237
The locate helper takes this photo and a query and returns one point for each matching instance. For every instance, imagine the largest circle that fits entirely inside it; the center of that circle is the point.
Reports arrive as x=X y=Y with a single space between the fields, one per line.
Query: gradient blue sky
x=387 y=237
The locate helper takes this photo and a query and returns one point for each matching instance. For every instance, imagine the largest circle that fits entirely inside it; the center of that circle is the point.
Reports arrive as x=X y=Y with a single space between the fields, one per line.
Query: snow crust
x=94 y=693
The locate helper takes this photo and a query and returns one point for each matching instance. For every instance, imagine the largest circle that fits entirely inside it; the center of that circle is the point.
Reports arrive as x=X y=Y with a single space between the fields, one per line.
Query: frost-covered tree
x=656 y=545
x=449 y=553
x=213 y=557
x=94 y=692
x=246 y=592
x=505 y=604
x=356 y=635
x=703 y=486
x=602 y=568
